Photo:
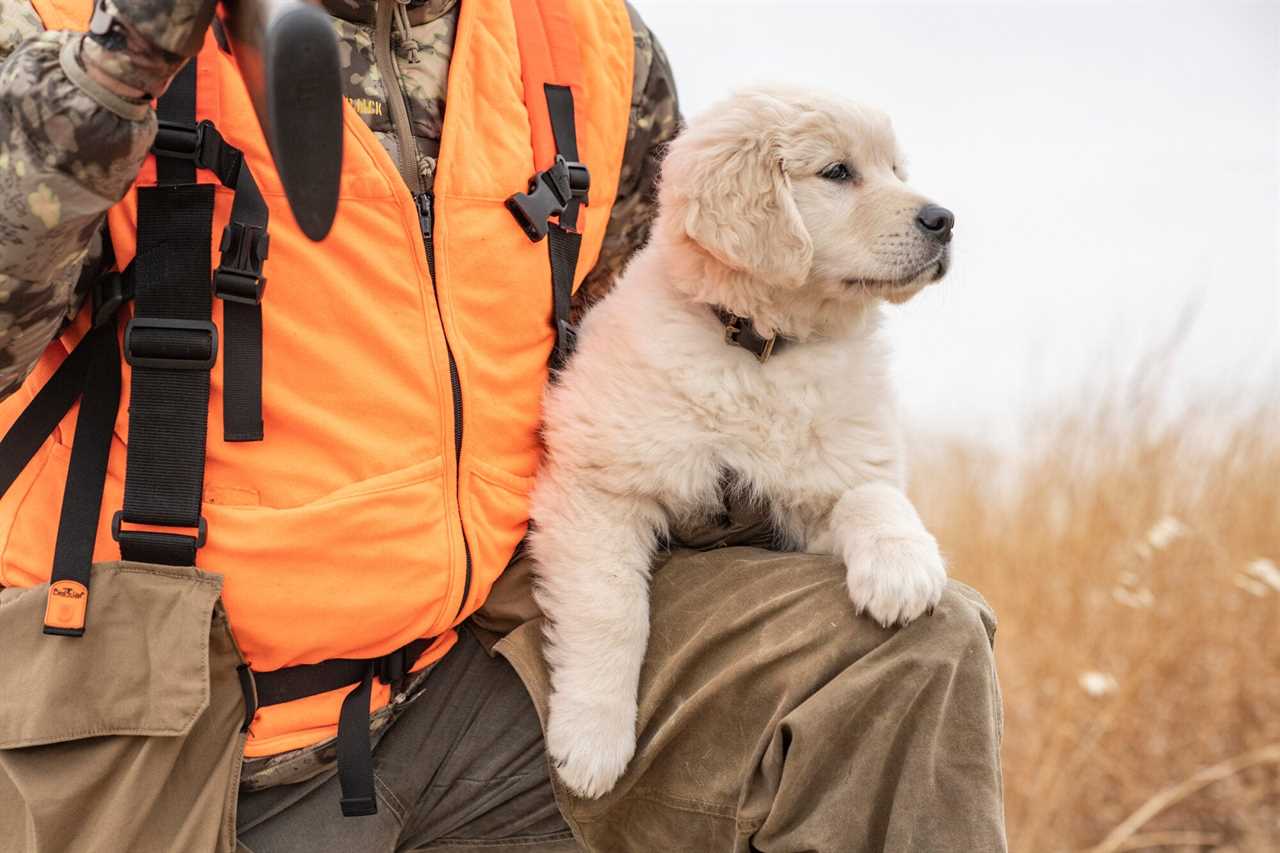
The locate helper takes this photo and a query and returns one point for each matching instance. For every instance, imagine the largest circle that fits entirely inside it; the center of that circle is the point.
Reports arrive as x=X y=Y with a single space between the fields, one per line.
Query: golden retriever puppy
x=742 y=342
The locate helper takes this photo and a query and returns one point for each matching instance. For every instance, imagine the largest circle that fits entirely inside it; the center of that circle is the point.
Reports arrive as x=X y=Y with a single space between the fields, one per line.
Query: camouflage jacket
x=69 y=150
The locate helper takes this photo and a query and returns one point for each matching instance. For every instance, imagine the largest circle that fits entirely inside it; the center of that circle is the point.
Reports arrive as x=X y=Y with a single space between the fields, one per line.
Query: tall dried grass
x=1130 y=552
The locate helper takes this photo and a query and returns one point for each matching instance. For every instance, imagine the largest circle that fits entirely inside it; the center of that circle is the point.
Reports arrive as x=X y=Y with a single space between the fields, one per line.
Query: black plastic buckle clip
x=169 y=354
x=551 y=193
x=180 y=141
x=109 y=294
x=238 y=277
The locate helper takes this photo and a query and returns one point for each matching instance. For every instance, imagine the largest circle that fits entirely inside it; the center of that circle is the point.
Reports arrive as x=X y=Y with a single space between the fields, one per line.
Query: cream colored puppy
x=784 y=223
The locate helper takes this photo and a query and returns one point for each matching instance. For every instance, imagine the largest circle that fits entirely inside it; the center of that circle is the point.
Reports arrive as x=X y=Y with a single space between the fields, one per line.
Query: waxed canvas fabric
x=127 y=738
x=773 y=719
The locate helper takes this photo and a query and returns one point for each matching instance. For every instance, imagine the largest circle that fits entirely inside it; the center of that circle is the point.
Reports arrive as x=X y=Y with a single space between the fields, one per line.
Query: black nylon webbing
x=91 y=373
x=355 y=758
x=178 y=104
x=238 y=281
x=564 y=247
x=564 y=242
x=87 y=471
x=171 y=344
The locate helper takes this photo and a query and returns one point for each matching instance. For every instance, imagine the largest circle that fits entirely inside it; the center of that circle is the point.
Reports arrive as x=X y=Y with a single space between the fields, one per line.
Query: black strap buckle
x=181 y=141
x=238 y=277
x=551 y=192
x=109 y=293
x=202 y=145
x=159 y=342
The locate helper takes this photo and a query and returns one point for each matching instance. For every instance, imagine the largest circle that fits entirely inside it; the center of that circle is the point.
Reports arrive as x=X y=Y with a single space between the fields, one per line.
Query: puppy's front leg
x=895 y=571
x=592 y=551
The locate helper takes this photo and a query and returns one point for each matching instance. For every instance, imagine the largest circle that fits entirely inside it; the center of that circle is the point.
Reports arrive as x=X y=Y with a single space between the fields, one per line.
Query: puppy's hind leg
x=592 y=552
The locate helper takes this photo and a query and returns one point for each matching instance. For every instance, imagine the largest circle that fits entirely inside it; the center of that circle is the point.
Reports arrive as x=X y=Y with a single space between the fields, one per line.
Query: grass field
x=1131 y=555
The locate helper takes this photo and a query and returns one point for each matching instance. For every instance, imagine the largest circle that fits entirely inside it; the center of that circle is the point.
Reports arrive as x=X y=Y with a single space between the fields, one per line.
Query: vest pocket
x=127 y=738
x=496 y=502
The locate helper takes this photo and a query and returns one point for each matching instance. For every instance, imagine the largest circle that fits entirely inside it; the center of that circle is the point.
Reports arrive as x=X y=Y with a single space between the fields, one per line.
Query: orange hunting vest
x=345 y=532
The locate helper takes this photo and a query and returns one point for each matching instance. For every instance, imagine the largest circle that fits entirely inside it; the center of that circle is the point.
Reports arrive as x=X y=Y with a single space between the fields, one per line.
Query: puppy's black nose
x=936 y=221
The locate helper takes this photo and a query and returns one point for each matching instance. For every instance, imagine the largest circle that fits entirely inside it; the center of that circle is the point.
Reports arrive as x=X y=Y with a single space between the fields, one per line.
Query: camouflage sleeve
x=655 y=120
x=69 y=149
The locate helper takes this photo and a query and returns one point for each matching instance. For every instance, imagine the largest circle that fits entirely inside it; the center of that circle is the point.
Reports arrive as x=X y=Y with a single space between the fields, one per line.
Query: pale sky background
x=1111 y=166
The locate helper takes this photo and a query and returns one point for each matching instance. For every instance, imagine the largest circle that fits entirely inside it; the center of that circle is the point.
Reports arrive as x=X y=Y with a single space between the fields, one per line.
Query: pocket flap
x=141 y=668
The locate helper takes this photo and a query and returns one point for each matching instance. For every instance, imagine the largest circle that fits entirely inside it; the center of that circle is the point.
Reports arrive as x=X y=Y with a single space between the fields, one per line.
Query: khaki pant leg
x=128 y=738
x=772 y=718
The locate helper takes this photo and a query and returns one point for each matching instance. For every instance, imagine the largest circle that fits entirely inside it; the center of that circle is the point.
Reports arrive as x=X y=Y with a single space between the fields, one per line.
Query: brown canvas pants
x=127 y=739
x=772 y=719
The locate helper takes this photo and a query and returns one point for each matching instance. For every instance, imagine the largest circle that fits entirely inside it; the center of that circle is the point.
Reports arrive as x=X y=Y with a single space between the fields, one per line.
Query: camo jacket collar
x=362 y=11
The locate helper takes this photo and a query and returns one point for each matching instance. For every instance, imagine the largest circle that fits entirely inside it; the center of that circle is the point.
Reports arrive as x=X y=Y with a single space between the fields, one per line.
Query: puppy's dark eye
x=837 y=172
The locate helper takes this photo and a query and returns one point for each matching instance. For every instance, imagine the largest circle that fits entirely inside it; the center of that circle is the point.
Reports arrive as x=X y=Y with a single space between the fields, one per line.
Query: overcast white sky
x=1111 y=166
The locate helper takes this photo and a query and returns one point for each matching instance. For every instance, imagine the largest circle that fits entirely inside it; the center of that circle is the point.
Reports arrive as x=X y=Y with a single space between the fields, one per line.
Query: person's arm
x=655 y=121
x=75 y=127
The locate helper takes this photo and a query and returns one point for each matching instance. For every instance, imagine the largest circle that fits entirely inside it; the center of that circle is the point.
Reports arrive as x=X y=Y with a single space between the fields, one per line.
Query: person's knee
x=961 y=629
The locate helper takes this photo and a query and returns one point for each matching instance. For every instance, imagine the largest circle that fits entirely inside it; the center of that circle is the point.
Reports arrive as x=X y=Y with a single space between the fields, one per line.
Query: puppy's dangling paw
x=590 y=743
x=894 y=578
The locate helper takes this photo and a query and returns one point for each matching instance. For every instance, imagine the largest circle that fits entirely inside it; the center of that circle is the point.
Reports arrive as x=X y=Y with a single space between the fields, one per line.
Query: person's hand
x=135 y=47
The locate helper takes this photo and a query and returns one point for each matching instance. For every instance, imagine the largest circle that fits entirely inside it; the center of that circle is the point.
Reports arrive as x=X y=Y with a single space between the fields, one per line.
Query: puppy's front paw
x=894 y=577
x=590 y=742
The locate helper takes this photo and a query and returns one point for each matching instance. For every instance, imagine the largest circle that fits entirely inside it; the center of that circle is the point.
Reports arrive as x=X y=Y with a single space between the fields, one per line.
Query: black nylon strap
x=238 y=281
x=355 y=757
x=563 y=247
x=179 y=105
x=87 y=470
x=355 y=753
x=171 y=344
x=42 y=416
x=297 y=682
x=564 y=129
x=90 y=373
x=564 y=242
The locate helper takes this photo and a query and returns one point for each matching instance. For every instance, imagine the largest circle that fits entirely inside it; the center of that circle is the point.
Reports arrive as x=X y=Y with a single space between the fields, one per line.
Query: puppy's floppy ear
x=739 y=206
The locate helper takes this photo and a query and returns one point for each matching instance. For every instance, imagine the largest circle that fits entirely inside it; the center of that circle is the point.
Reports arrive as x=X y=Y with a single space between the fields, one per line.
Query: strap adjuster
x=202 y=145
x=238 y=277
x=152 y=342
x=124 y=536
x=180 y=141
x=551 y=192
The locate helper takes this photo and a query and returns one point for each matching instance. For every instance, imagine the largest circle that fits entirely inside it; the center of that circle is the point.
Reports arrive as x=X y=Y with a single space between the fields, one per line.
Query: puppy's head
x=802 y=199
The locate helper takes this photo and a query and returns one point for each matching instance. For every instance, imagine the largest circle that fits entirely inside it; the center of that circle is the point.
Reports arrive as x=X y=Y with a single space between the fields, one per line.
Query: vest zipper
x=425 y=203
x=426 y=221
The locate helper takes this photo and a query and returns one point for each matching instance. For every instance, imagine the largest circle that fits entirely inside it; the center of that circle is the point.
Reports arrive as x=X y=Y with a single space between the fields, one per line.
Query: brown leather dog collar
x=741 y=332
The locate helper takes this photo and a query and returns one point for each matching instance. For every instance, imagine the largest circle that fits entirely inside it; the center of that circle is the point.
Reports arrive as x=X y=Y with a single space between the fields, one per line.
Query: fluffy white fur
x=655 y=408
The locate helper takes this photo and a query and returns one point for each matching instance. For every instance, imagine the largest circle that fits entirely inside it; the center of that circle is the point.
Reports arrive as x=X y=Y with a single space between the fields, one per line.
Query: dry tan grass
x=1139 y=657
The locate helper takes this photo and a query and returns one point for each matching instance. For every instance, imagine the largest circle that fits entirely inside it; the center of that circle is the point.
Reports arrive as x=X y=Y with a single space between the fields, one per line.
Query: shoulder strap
x=551 y=68
x=171 y=343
